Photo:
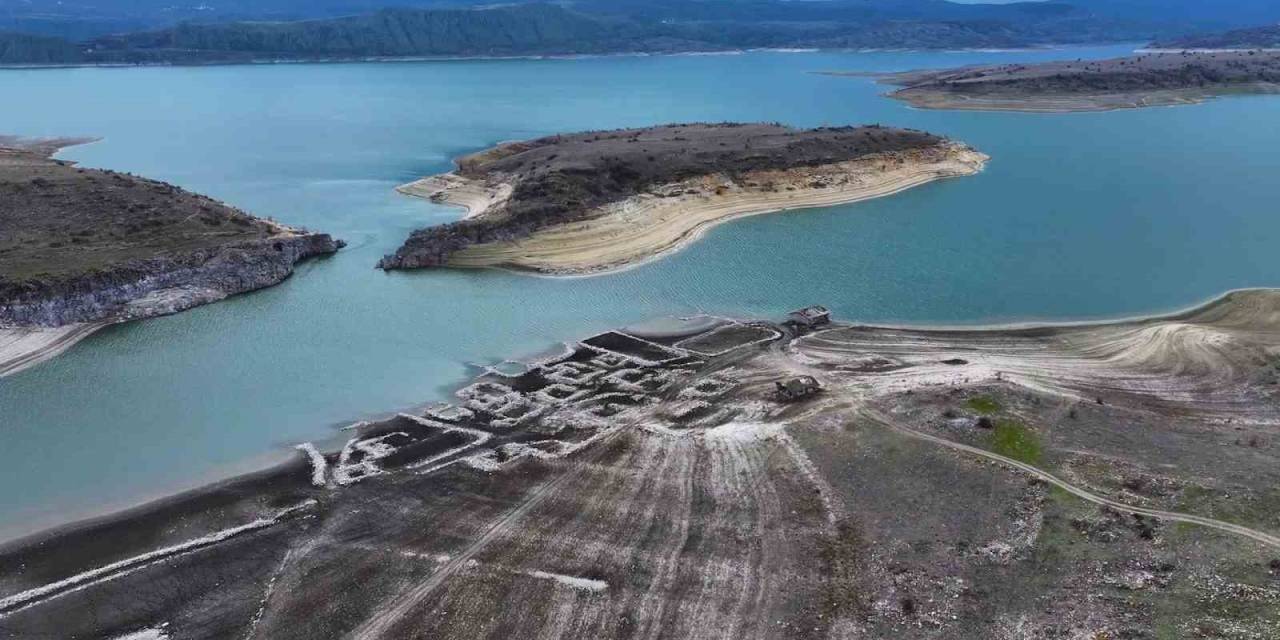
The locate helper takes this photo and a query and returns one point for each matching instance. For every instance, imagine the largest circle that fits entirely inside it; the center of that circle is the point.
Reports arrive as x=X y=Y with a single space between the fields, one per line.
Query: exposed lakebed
x=1073 y=218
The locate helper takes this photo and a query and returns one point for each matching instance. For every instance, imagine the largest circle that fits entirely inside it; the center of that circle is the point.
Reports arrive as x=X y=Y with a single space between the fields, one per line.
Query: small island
x=81 y=248
x=587 y=203
x=1158 y=78
x=1255 y=38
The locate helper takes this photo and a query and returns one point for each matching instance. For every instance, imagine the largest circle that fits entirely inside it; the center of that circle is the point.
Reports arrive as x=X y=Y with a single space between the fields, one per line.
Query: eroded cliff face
x=157 y=286
x=82 y=245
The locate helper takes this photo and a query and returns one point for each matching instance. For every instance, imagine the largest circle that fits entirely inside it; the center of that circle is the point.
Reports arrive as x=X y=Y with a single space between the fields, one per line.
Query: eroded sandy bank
x=671 y=216
x=24 y=347
x=475 y=196
x=927 y=98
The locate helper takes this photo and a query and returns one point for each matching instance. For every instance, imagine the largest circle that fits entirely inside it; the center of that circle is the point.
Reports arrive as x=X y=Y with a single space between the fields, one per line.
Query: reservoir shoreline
x=273 y=473
x=676 y=392
x=153 y=408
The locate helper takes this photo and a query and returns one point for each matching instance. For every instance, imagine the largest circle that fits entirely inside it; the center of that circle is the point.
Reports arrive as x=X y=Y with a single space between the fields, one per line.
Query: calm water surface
x=1078 y=216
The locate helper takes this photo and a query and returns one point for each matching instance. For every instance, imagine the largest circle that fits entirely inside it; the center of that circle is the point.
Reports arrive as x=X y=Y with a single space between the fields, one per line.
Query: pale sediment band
x=23 y=347
x=669 y=217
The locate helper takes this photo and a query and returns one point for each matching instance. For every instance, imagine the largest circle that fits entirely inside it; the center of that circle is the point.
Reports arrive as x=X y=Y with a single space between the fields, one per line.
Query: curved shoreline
x=935 y=100
x=670 y=217
x=1175 y=313
x=1201 y=373
x=46 y=309
x=141 y=507
x=472 y=196
x=1144 y=79
x=170 y=289
x=24 y=347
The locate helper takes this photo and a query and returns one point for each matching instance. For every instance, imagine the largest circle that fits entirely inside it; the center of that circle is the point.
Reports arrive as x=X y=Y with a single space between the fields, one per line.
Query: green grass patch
x=1013 y=439
x=1251 y=509
x=985 y=405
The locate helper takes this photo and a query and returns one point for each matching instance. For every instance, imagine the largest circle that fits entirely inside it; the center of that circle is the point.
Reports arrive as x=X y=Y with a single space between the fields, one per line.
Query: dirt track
x=1252 y=534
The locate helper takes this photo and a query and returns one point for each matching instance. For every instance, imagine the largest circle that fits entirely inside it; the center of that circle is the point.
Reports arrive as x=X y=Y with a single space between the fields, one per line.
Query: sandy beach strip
x=475 y=196
x=926 y=98
x=669 y=218
x=1054 y=103
x=23 y=347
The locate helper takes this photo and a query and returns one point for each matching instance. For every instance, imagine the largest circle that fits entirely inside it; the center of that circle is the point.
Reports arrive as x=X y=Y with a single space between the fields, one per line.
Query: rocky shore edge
x=39 y=321
x=163 y=285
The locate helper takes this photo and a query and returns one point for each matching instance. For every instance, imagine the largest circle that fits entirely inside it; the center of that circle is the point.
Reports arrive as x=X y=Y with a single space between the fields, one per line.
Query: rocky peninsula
x=586 y=203
x=81 y=248
x=1157 y=78
x=1252 y=39
x=1112 y=480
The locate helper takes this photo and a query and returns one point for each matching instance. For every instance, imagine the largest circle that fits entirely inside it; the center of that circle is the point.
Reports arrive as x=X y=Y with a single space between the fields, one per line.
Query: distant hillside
x=1186 y=16
x=1072 y=20
x=1255 y=38
x=586 y=27
x=599 y=27
x=19 y=48
x=393 y=32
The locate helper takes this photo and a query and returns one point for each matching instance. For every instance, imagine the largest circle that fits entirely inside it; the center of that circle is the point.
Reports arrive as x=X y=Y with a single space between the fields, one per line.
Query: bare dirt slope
x=1107 y=480
x=1155 y=78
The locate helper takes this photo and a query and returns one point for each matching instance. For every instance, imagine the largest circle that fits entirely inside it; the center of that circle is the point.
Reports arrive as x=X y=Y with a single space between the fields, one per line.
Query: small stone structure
x=797 y=388
x=810 y=317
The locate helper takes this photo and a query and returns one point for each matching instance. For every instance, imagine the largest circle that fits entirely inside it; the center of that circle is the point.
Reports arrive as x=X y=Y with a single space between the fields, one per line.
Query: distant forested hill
x=392 y=32
x=599 y=27
x=20 y=48
x=1255 y=38
x=79 y=20
x=208 y=34
x=1187 y=16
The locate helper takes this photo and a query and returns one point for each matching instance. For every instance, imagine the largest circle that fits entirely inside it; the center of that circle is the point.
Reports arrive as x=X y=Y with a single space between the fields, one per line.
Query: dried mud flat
x=1108 y=480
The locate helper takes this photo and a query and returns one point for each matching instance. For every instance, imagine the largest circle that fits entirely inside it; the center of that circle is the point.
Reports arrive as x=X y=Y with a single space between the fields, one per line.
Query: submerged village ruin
x=656 y=481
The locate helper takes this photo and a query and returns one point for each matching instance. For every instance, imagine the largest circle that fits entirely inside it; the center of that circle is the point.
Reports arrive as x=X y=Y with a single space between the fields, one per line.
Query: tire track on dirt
x=1252 y=534
x=382 y=621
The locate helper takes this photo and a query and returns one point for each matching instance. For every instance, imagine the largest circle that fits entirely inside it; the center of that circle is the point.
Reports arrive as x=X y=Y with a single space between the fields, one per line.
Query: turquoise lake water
x=1077 y=216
